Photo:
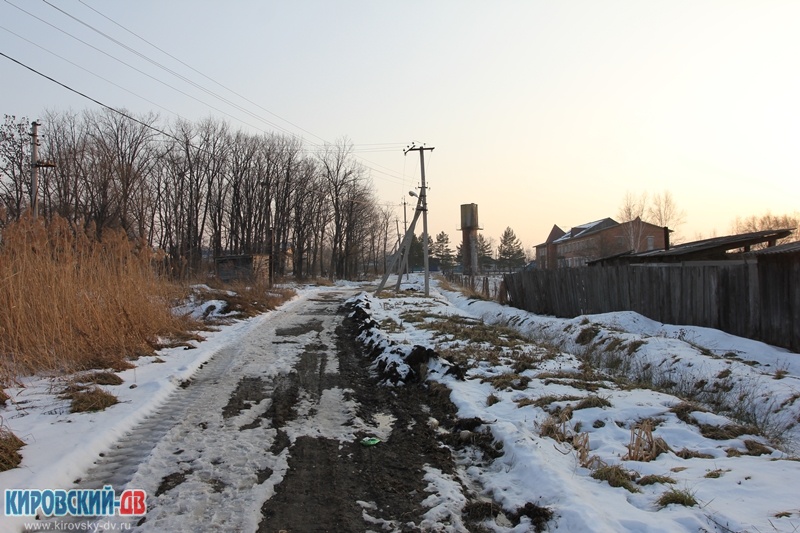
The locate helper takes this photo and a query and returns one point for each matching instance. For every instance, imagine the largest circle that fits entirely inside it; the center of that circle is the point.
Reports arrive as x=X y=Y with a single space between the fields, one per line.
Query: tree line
x=194 y=189
x=508 y=257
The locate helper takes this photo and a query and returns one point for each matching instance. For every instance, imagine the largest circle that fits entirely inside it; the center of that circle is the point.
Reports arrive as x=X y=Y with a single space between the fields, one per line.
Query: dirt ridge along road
x=337 y=484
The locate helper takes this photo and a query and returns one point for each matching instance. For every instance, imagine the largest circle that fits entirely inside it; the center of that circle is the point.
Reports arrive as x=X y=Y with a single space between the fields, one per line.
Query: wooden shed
x=246 y=267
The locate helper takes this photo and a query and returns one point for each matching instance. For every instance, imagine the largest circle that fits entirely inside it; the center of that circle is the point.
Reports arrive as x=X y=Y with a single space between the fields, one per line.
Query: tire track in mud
x=212 y=436
x=117 y=466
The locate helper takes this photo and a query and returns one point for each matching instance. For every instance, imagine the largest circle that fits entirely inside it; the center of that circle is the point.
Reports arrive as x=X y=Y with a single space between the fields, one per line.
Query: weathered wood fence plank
x=759 y=301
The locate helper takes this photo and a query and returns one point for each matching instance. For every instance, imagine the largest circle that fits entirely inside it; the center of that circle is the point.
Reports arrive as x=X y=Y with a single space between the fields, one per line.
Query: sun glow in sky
x=541 y=113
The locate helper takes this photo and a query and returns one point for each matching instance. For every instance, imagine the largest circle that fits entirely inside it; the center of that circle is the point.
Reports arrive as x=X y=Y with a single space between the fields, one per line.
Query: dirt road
x=267 y=437
x=332 y=484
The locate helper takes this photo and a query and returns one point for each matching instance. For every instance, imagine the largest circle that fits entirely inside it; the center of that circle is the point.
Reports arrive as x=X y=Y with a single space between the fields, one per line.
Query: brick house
x=595 y=240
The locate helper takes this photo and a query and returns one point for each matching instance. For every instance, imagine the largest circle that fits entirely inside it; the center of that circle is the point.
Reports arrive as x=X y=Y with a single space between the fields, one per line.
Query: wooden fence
x=755 y=300
x=489 y=287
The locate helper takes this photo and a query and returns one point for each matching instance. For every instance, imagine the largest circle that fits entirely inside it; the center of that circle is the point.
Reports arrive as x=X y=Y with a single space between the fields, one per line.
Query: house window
x=651 y=242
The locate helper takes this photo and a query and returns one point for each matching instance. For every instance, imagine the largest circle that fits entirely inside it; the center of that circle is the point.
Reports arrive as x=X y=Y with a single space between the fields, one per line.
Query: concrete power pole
x=424 y=202
x=35 y=169
x=35 y=166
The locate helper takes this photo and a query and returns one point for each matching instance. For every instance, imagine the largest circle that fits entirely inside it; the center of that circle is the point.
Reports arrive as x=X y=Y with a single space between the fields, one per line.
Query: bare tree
x=66 y=144
x=308 y=202
x=342 y=177
x=630 y=215
x=199 y=188
x=768 y=221
x=664 y=211
x=122 y=149
x=14 y=167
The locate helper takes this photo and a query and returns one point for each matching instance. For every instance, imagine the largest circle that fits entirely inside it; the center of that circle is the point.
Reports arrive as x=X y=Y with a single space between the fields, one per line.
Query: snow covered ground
x=735 y=491
x=738 y=484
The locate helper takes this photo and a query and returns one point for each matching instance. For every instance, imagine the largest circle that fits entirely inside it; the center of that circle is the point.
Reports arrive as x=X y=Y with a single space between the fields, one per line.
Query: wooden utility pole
x=424 y=206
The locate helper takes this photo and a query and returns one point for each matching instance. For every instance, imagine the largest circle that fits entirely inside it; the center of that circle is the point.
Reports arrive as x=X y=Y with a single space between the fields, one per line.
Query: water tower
x=469 y=246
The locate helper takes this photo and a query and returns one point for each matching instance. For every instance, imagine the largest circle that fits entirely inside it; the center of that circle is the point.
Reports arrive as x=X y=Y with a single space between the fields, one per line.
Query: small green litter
x=370 y=441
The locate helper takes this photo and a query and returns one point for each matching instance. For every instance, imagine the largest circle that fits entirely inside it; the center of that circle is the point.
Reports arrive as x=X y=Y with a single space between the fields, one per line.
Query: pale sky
x=541 y=113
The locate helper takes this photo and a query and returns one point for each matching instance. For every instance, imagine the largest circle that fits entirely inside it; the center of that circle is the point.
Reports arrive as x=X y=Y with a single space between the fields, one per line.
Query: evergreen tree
x=485 y=259
x=510 y=253
x=441 y=251
x=416 y=257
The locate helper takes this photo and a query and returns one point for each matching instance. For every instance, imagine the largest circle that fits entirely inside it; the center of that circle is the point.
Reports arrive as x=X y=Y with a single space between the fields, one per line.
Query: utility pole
x=424 y=207
x=35 y=169
x=405 y=230
x=401 y=257
x=35 y=166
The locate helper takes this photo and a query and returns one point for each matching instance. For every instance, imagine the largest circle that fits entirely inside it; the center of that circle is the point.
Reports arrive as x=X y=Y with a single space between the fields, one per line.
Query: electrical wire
x=98 y=102
x=168 y=70
x=375 y=147
x=162 y=82
x=92 y=73
x=371 y=164
x=199 y=72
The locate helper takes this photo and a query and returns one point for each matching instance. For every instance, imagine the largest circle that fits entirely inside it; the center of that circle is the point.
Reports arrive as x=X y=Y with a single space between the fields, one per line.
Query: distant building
x=756 y=245
x=598 y=239
x=246 y=267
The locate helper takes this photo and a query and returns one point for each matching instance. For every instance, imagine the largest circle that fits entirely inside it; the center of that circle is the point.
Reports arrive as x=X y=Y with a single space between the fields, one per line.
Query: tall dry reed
x=70 y=301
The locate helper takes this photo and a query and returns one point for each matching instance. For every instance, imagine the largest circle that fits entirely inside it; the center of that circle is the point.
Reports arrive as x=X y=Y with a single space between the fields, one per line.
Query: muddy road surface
x=267 y=437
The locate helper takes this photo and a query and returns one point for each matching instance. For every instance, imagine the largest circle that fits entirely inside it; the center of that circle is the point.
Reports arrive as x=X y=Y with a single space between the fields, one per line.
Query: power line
x=98 y=102
x=132 y=67
x=199 y=72
x=101 y=104
x=371 y=165
x=392 y=175
x=92 y=73
x=167 y=69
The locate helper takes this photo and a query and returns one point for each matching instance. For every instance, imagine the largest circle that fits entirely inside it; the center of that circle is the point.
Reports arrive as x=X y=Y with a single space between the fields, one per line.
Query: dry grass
x=91 y=399
x=9 y=449
x=678 y=497
x=715 y=474
x=544 y=402
x=643 y=446
x=686 y=453
x=466 y=329
x=510 y=380
x=70 y=301
x=556 y=427
x=587 y=335
x=592 y=401
x=616 y=476
x=653 y=479
x=245 y=299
